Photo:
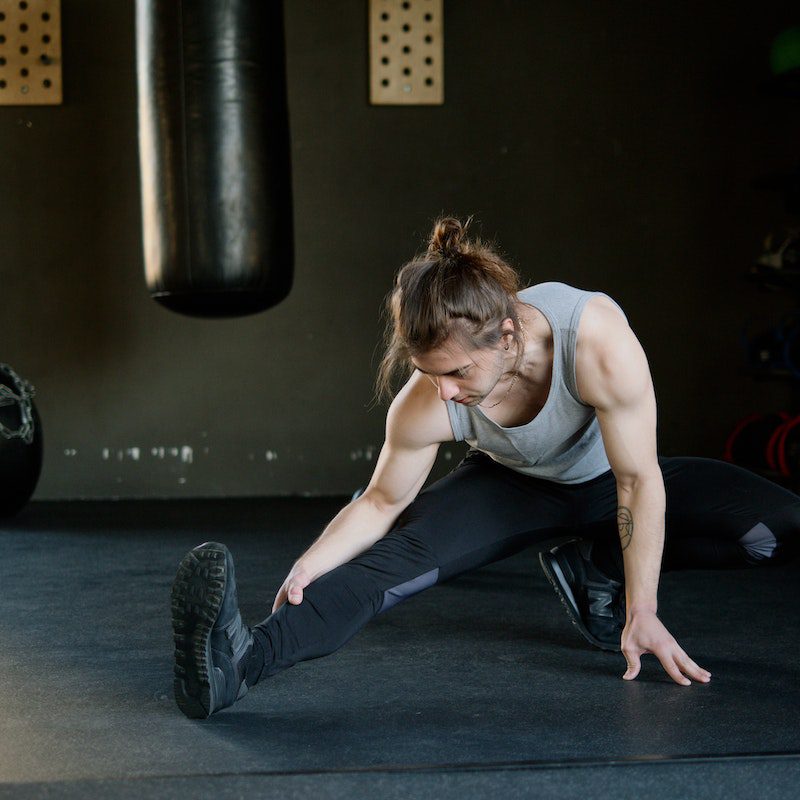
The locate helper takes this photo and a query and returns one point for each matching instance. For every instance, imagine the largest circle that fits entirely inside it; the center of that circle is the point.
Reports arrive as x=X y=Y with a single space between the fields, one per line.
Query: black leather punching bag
x=214 y=155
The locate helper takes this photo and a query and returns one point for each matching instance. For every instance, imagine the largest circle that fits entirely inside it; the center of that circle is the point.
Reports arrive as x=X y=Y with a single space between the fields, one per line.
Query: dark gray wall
x=610 y=145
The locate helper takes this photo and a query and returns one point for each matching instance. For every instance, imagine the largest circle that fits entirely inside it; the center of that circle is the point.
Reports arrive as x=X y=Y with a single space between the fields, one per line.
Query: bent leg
x=723 y=515
x=718 y=516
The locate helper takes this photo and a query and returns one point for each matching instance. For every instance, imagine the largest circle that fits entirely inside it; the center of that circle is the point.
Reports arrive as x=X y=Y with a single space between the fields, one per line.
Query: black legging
x=718 y=515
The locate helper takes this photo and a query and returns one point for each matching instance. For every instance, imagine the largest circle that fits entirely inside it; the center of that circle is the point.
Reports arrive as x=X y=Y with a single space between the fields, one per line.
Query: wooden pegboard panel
x=406 y=52
x=30 y=52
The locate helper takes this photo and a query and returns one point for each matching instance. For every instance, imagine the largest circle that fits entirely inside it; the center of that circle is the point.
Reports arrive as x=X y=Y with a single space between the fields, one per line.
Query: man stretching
x=552 y=391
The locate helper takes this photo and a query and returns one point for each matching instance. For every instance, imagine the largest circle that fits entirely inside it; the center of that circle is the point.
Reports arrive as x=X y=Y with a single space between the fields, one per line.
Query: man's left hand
x=645 y=633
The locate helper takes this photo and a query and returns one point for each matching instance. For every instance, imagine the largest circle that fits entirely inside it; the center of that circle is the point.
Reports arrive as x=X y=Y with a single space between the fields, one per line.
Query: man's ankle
x=256 y=661
x=607 y=559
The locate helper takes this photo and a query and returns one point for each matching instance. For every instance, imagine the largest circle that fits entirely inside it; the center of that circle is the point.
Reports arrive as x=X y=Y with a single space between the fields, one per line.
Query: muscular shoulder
x=603 y=335
x=598 y=313
x=417 y=416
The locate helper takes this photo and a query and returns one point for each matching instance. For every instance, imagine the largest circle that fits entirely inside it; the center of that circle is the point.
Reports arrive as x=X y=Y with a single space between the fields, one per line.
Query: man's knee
x=399 y=565
x=396 y=594
x=774 y=540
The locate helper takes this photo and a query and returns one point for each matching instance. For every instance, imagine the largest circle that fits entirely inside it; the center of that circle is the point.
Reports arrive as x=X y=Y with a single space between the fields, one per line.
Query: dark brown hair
x=458 y=287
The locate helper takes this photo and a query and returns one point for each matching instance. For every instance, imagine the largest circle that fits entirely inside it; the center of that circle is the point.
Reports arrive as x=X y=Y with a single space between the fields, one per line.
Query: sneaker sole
x=197 y=593
x=556 y=576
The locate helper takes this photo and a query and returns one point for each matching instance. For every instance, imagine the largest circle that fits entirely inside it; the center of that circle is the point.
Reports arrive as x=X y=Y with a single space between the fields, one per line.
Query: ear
x=507 y=327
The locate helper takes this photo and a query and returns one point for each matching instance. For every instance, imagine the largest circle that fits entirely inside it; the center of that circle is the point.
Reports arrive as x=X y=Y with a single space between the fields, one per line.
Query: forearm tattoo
x=625 y=525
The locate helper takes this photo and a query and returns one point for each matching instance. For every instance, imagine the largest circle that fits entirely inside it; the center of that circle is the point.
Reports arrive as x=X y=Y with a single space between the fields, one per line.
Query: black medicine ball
x=20 y=442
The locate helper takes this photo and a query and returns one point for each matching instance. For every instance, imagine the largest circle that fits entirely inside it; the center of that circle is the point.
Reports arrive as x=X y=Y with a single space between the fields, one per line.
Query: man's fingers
x=295 y=595
x=646 y=634
x=680 y=667
x=292 y=590
x=299 y=582
x=693 y=670
x=634 y=665
x=673 y=669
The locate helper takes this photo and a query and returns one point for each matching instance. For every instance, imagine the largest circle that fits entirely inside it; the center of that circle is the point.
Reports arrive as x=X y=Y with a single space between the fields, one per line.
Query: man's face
x=461 y=375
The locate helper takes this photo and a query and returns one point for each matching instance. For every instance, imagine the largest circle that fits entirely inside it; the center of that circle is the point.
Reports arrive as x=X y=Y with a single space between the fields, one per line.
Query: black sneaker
x=211 y=642
x=594 y=602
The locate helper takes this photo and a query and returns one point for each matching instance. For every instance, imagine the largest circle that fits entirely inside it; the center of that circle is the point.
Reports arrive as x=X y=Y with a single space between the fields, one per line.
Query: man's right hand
x=416 y=423
x=292 y=588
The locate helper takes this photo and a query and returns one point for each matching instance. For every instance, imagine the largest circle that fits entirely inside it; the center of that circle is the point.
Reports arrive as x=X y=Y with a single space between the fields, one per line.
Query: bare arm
x=616 y=380
x=416 y=424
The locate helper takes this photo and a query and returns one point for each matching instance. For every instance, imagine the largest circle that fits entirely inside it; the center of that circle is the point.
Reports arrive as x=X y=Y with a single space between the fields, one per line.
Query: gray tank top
x=562 y=443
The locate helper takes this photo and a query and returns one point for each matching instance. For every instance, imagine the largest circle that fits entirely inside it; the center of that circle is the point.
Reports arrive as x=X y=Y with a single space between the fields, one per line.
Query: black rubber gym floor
x=476 y=687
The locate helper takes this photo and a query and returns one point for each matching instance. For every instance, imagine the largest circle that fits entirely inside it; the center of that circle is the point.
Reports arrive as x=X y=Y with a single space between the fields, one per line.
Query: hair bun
x=447 y=235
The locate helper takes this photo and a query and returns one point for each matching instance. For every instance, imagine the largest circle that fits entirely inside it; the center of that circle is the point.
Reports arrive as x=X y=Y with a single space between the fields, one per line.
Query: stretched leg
x=479 y=513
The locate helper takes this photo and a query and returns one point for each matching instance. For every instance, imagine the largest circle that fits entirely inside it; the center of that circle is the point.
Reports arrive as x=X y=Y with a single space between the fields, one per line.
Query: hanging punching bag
x=214 y=155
